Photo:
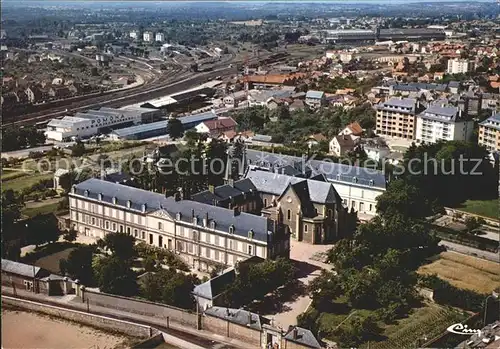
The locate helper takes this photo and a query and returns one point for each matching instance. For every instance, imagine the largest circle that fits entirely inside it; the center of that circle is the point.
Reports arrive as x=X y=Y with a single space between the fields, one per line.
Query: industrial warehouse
x=411 y=34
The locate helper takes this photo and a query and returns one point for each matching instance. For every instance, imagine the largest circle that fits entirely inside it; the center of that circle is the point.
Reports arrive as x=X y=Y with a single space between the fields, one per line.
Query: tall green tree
x=175 y=128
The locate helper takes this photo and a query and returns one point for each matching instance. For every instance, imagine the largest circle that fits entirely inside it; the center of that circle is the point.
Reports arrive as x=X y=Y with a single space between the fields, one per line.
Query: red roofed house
x=215 y=127
x=352 y=129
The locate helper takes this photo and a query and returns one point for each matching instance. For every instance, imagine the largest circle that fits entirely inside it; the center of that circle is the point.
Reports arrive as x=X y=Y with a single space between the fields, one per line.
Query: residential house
x=353 y=129
x=341 y=145
x=440 y=122
x=215 y=127
x=35 y=94
x=234 y=99
x=315 y=99
x=396 y=117
x=490 y=101
x=297 y=104
x=315 y=140
x=376 y=151
x=300 y=338
x=59 y=92
x=203 y=235
x=489 y=133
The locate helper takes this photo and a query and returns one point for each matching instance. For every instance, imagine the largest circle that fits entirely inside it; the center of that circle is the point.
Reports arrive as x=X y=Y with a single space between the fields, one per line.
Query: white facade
x=362 y=198
x=432 y=128
x=84 y=125
x=160 y=37
x=199 y=246
x=147 y=36
x=460 y=66
x=134 y=35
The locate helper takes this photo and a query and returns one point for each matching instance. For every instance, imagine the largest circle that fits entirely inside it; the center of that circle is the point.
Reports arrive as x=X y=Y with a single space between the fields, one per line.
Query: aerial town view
x=250 y=174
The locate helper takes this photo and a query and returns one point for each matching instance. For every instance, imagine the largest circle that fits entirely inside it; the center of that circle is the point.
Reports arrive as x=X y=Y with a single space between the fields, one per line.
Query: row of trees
x=15 y=138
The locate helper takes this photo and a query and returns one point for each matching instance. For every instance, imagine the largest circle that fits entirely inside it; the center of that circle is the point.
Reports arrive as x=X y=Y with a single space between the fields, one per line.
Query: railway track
x=176 y=79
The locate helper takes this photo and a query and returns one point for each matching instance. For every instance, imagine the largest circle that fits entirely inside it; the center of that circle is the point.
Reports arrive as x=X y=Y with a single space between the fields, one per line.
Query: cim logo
x=462 y=329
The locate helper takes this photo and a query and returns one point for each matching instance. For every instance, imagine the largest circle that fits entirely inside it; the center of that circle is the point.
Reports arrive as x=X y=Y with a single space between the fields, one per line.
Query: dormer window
x=195 y=220
x=129 y=203
x=354 y=180
x=231 y=229
x=212 y=225
x=73 y=188
x=144 y=207
x=250 y=234
x=178 y=216
x=114 y=200
x=338 y=177
x=86 y=193
x=99 y=197
x=371 y=182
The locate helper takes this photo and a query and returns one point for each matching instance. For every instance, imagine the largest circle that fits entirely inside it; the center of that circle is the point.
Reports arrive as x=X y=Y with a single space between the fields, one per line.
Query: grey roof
x=146 y=201
x=315 y=94
x=225 y=192
x=303 y=336
x=454 y=84
x=237 y=316
x=274 y=183
x=398 y=102
x=262 y=138
x=22 y=269
x=493 y=121
x=133 y=130
x=441 y=113
x=216 y=286
x=198 y=117
x=334 y=172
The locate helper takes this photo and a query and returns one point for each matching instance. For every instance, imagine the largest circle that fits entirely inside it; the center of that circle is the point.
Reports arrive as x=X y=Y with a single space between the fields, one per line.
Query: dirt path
x=31 y=330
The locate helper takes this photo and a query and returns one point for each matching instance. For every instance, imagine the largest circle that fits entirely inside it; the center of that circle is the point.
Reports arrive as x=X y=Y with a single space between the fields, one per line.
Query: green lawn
x=8 y=174
x=18 y=184
x=42 y=209
x=486 y=208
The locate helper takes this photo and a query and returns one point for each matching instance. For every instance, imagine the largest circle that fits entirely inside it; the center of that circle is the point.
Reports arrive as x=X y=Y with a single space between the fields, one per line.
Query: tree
x=402 y=198
x=175 y=128
x=121 y=245
x=78 y=149
x=473 y=223
x=78 y=265
x=115 y=277
x=70 y=235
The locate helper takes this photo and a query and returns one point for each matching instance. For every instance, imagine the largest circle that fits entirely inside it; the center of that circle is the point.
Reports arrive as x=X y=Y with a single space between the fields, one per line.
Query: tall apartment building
x=489 y=133
x=160 y=37
x=147 y=36
x=396 y=117
x=460 y=66
x=203 y=235
x=443 y=123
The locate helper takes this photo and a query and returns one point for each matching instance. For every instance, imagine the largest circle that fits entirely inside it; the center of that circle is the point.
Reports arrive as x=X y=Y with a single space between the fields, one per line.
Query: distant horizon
x=259 y=1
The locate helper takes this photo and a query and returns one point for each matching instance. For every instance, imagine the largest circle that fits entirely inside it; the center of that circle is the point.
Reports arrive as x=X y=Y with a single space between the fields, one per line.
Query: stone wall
x=232 y=330
x=102 y=322
x=141 y=307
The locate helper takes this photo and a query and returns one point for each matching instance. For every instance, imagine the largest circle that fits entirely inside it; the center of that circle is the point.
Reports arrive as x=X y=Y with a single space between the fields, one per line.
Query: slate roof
x=304 y=337
x=22 y=269
x=237 y=316
x=315 y=94
x=399 y=103
x=216 y=286
x=274 y=183
x=493 y=122
x=334 y=172
x=224 y=218
x=225 y=192
x=441 y=113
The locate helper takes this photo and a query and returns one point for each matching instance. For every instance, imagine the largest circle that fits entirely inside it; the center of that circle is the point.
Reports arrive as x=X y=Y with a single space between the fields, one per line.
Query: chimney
x=295 y=333
x=236 y=211
x=205 y=220
x=211 y=188
x=192 y=213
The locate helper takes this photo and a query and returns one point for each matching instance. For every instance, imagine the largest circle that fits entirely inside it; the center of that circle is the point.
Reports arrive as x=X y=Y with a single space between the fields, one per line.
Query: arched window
x=289 y=214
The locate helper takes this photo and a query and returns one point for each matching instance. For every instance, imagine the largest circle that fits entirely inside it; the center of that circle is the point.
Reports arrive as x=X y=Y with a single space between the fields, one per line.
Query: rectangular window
x=216 y=255
x=249 y=249
x=180 y=247
x=216 y=240
x=288 y=214
x=305 y=228
x=230 y=244
x=135 y=232
x=114 y=226
x=190 y=247
x=150 y=239
x=160 y=226
x=169 y=244
x=121 y=228
x=143 y=235
x=160 y=241
x=93 y=221
x=107 y=225
x=128 y=230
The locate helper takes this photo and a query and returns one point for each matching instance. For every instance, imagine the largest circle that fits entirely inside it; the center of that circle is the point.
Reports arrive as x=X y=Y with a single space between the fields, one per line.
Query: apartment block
x=396 y=117
x=460 y=66
x=489 y=133
x=443 y=123
x=203 y=235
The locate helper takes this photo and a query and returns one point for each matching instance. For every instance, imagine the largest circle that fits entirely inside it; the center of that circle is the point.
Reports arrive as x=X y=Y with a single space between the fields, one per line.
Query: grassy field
x=428 y=321
x=465 y=272
x=51 y=262
x=30 y=210
x=18 y=184
x=486 y=208
x=9 y=174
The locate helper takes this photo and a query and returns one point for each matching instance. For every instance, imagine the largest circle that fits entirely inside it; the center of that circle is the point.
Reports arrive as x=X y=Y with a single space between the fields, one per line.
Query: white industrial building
x=93 y=122
x=443 y=123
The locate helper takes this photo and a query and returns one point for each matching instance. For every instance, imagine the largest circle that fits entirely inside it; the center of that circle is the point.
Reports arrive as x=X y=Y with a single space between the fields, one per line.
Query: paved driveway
x=309 y=269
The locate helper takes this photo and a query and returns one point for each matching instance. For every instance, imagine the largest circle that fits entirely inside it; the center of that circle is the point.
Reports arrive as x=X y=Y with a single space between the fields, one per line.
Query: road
x=471 y=251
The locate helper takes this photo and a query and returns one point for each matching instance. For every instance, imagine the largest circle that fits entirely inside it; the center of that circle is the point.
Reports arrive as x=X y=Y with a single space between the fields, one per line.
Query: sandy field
x=32 y=330
x=466 y=272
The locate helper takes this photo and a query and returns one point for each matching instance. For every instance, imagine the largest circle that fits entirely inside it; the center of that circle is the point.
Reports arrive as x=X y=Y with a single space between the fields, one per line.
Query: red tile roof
x=355 y=128
x=220 y=123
